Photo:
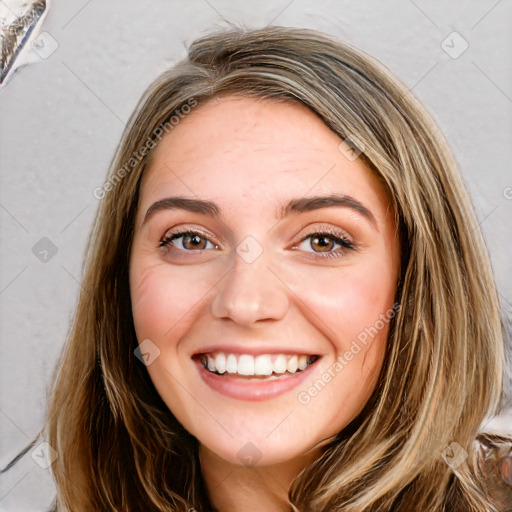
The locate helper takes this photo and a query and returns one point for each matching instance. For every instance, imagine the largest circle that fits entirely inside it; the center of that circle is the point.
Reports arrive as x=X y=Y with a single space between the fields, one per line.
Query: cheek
x=163 y=300
x=353 y=307
x=353 y=301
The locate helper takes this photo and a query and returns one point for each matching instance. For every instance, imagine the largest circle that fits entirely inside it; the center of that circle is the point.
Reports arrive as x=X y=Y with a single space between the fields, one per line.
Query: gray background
x=62 y=118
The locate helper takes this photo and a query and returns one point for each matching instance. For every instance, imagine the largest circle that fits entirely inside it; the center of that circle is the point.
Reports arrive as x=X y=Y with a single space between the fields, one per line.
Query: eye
x=187 y=240
x=326 y=244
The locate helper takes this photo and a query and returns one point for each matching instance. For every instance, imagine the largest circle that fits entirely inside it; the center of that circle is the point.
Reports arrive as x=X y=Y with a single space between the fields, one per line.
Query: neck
x=236 y=488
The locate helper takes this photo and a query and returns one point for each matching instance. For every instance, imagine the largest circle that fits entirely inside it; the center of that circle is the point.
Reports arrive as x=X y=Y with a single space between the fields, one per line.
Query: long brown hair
x=121 y=449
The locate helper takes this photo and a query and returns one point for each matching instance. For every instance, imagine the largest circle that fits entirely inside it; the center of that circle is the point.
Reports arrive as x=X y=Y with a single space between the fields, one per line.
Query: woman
x=285 y=304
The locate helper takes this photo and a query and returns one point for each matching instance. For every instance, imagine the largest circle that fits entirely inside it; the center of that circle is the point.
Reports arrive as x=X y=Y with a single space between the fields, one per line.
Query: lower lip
x=252 y=390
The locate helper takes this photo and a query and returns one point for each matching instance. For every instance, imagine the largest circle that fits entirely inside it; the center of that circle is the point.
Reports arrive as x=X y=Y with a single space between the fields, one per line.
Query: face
x=263 y=307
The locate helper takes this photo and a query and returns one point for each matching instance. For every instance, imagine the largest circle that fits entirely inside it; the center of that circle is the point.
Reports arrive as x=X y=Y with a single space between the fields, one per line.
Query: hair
x=443 y=373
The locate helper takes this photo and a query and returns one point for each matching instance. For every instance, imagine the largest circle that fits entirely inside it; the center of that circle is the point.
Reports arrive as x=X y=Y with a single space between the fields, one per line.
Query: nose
x=250 y=292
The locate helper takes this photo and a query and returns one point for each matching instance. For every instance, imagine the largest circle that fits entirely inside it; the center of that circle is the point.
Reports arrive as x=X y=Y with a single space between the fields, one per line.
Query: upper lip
x=252 y=349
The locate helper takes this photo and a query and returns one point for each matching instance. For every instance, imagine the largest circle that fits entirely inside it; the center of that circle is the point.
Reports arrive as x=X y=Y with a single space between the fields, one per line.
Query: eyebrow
x=294 y=206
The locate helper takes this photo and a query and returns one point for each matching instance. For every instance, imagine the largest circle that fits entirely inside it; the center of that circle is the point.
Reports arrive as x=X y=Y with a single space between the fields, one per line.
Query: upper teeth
x=246 y=364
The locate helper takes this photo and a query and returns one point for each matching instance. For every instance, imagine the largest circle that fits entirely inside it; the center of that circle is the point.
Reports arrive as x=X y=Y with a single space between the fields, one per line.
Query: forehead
x=239 y=150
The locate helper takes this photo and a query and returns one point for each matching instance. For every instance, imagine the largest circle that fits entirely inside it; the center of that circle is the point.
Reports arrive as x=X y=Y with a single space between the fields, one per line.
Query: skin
x=250 y=157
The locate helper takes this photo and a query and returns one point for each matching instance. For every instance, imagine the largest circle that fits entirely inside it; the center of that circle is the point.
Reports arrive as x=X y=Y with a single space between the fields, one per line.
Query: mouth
x=262 y=366
x=251 y=377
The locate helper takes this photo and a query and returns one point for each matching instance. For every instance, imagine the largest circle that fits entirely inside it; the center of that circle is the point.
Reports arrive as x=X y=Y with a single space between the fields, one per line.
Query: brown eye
x=193 y=242
x=187 y=241
x=323 y=243
x=326 y=244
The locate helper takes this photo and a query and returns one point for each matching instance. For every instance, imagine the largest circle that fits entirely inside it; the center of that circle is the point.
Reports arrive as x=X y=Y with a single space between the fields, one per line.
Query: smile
x=252 y=377
x=262 y=365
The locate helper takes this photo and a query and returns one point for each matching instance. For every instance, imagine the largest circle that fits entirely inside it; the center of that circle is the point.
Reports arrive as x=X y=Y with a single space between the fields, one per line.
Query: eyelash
x=337 y=237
